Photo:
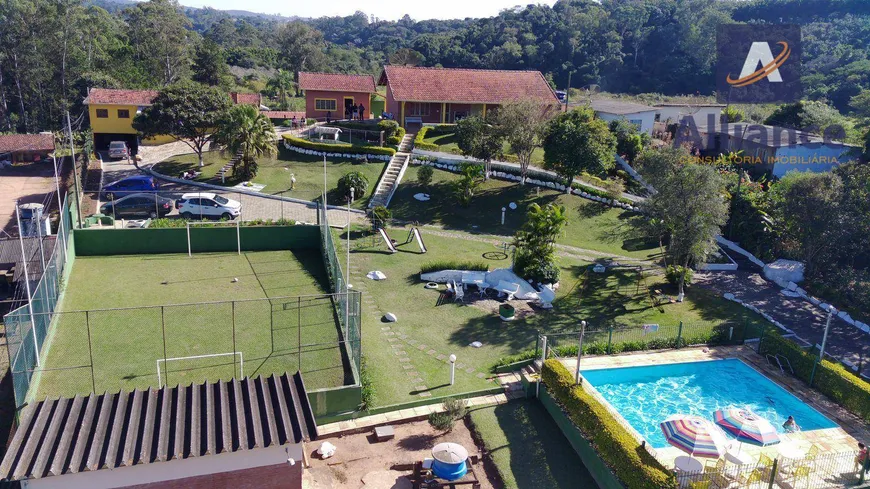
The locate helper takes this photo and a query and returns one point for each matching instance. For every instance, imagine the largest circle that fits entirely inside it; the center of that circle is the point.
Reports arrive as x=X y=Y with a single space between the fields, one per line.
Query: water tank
x=449 y=461
x=28 y=211
x=32 y=216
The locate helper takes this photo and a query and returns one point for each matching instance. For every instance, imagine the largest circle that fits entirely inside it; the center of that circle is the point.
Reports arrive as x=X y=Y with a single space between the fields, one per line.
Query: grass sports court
x=212 y=304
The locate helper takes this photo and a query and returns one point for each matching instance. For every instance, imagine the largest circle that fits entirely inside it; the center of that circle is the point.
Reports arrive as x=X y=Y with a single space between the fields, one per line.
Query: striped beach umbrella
x=747 y=426
x=695 y=436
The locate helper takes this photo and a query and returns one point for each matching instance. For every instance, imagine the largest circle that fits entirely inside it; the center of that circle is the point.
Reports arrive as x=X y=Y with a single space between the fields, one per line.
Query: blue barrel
x=449 y=461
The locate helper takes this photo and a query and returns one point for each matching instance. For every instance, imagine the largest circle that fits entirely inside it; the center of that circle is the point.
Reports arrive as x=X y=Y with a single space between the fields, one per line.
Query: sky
x=382 y=9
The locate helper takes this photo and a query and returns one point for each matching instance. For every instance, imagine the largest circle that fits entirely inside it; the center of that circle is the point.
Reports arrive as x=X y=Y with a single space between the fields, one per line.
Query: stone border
x=353 y=156
x=454 y=168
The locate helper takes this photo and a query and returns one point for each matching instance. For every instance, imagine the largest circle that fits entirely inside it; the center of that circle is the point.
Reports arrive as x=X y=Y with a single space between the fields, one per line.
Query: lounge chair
x=755 y=478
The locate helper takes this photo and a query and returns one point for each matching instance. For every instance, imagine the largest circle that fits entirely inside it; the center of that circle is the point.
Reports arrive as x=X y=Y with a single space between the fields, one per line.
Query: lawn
x=590 y=226
x=447 y=144
x=426 y=326
x=126 y=343
x=527 y=448
x=275 y=173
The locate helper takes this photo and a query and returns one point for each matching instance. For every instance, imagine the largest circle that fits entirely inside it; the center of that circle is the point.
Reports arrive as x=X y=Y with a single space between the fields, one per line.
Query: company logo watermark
x=758 y=63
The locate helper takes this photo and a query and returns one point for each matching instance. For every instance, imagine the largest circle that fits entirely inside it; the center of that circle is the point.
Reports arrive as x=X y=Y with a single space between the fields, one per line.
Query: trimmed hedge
x=631 y=463
x=832 y=379
x=436 y=266
x=421 y=135
x=338 y=147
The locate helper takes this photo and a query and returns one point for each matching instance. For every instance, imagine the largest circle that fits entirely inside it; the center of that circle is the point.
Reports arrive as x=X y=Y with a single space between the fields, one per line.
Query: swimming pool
x=646 y=395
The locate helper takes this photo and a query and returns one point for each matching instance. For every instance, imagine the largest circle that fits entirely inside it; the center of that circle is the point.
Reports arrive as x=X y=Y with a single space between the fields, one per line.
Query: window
x=637 y=122
x=418 y=109
x=324 y=104
x=102 y=113
x=123 y=114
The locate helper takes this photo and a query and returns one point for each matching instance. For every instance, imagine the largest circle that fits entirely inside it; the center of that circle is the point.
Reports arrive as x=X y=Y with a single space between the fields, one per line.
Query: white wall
x=676 y=114
x=647 y=119
x=171 y=470
x=805 y=157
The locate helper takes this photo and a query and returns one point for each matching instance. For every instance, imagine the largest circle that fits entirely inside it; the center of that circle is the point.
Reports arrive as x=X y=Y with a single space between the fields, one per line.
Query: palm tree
x=246 y=134
x=281 y=83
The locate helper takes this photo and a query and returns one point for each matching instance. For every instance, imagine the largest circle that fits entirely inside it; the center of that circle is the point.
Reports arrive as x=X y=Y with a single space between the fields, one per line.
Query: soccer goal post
x=166 y=361
x=236 y=224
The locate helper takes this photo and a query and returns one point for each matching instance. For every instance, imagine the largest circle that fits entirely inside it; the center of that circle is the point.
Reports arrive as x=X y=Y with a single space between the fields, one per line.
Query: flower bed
x=339 y=150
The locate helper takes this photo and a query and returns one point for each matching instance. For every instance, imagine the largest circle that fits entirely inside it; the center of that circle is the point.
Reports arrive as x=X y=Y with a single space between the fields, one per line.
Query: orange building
x=332 y=94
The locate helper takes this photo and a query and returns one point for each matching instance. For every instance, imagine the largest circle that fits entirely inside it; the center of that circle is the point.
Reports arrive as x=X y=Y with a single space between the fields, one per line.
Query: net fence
x=26 y=328
x=101 y=350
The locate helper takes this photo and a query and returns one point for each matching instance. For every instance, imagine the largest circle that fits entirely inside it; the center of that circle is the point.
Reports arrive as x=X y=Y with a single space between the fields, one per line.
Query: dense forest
x=51 y=51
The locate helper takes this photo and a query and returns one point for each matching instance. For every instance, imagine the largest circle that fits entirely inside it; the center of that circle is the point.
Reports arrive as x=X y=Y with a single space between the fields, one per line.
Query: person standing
x=362 y=111
x=861 y=458
x=328 y=116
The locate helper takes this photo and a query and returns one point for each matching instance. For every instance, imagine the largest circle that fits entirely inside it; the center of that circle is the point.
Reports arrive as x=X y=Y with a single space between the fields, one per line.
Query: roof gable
x=458 y=85
x=108 y=431
x=336 y=82
x=112 y=96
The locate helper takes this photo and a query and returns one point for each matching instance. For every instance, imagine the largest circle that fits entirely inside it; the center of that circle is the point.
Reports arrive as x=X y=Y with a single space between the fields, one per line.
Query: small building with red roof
x=26 y=147
x=332 y=94
x=417 y=95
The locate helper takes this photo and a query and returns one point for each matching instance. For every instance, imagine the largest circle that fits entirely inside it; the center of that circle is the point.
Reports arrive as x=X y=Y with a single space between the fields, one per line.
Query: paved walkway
x=807 y=321
x=450 y=156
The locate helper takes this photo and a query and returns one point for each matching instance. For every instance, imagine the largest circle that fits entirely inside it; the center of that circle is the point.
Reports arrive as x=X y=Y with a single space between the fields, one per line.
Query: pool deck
x=833 y=440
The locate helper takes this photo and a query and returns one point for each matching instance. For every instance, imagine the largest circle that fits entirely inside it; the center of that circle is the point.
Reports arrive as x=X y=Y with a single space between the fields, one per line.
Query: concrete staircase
x=393 y=174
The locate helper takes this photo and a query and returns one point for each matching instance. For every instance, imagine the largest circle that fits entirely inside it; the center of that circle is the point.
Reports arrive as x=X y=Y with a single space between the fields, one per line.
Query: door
x=209 y=207
x=348 y=107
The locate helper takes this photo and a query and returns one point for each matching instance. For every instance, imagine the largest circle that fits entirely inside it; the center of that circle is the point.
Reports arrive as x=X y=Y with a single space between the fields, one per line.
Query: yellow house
x=111 y=113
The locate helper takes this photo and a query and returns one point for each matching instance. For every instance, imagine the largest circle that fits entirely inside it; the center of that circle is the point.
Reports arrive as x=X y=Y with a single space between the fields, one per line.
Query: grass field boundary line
x=256 y=276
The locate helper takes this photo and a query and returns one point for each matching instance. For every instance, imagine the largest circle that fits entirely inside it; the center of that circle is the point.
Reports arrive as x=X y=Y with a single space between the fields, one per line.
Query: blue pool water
x=645 y=396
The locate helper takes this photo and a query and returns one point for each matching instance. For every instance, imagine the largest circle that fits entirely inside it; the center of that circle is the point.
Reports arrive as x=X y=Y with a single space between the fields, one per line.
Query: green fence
x=27 y=327
x=102 y=242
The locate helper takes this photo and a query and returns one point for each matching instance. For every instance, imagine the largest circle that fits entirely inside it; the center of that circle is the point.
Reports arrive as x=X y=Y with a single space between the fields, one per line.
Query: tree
x=480 y=139
x=210 y=65
x=160 y=38
x=245 y=132
x=522 y=125
x=352 y=180
x=689 y=209
x=807 y=215
x=576 y=142
x=406 y=57
x=629 y=140
x=536 y=243
x=300 y=47
x=424 y=175
x=282 y=84
x=471 y=177
x=187 y=112
x=732 y=114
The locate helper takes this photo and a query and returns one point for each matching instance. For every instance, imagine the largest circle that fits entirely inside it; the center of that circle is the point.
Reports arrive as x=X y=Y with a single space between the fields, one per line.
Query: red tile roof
x=113 y=96
x=245 y=98
x=26 y=142
x=335 y=82
x=464 y=85
x=283 y=114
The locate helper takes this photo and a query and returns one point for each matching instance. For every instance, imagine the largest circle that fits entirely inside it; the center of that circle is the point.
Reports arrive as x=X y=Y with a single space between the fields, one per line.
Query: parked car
x=207 y=205
x=561 y=95
x=129 y=185
x=118 y=150
x=138 y=205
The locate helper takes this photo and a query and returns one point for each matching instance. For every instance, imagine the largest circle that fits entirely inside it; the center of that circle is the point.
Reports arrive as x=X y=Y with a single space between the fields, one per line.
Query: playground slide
x=419 y=239
x=387 y=240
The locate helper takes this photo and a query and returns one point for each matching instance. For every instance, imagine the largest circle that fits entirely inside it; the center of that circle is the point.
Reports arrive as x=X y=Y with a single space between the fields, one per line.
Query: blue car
x=127 y=186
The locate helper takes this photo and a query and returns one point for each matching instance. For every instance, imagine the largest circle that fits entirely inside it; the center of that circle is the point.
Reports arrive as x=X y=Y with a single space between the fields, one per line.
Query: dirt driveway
x=361 y=463
x=26 y=184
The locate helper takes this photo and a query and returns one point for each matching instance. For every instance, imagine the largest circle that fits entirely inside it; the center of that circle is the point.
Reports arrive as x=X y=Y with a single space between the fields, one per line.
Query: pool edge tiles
x=645 y=395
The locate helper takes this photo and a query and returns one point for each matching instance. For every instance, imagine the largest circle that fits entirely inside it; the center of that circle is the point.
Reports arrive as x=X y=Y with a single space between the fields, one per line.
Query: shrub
x=389 y=127
x=832 y=380
x=337 y=148
x=287 y=123
x=674 y=273
x=541 y=272
x=310 y=121
x=163 y=223
x=420 y=143
x=367 y=391
x=614 y=188
x=380 y=216
x=436 y=266
x=454 y=410
x=631 y=463
x=355 y=180
x=424 y=175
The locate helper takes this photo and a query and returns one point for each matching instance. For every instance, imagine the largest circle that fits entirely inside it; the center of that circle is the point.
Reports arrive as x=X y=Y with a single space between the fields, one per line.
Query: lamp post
x=580 y=351
x=831 y=311
x=452 y=359
x=347 y=285
x=503 y=209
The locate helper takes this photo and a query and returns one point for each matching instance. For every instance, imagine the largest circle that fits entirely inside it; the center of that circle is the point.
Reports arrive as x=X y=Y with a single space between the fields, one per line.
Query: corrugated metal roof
x=89 y=433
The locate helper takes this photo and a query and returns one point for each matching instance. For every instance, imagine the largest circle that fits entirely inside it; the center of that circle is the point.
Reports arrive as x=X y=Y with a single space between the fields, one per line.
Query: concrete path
x=807 y=321
x=25 y=184
x=450 y=156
